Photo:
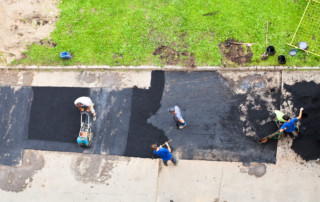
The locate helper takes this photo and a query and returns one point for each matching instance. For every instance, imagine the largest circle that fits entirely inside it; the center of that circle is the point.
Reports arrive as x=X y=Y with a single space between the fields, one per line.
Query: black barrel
x=282 y=59
x=271 y=50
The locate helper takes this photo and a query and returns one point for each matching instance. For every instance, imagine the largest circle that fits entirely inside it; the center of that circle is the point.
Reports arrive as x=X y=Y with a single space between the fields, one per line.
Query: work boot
x=292 y=136
x=182 y=126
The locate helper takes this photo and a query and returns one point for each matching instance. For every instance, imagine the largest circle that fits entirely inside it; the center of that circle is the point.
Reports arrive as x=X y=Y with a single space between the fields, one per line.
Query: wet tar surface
x=307 y=95
x=130 y=120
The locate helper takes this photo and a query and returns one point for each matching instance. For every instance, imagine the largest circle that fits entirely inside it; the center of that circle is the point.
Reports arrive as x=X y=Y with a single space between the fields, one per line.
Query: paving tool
x=85 y=133
x=265 y=55
x=237 y=43
x=277 y=118
x=279 y=122
x=165 y=143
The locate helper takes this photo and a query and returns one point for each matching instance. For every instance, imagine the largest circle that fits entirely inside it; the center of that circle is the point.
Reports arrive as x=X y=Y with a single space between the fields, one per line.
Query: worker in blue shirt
x=164 y=153
x=289 y=126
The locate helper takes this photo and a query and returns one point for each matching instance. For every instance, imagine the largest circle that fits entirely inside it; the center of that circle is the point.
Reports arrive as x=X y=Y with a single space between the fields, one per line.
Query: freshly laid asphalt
x=307 y=95
x=210 y=107
x=51 y=114
x=132 y=110
x=131 y=119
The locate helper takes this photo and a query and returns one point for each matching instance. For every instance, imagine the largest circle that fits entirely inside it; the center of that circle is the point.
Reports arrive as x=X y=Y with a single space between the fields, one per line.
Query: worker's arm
x=168 y=147
x=300 y=114
x=283 y=128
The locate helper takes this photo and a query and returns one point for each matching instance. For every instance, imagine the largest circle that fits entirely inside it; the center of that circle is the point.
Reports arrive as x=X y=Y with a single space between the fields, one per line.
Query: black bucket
x=282 y=59
x=271 y=50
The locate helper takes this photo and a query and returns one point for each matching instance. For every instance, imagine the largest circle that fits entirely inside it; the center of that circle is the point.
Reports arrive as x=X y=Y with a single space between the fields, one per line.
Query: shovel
x=265 y=55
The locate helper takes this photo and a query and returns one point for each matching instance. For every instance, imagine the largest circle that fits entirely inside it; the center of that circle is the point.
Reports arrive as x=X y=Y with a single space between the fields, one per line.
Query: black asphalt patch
x=130 y=120
x=110 y=130
x=211 y=109
x=59 y=134
x=256 y=116
x=15 y=104
x=145 y=103
x=53 y=114
x=307 y=95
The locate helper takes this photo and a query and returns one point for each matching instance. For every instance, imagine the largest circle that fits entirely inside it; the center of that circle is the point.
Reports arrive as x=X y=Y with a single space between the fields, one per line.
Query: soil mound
x=170 y=56
x=234 y=52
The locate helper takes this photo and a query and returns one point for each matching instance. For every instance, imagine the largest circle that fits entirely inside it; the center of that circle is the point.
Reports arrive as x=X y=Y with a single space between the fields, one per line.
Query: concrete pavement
x=89 y=177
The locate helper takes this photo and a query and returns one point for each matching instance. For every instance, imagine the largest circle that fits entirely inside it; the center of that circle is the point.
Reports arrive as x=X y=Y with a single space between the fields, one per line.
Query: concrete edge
x=164 y=68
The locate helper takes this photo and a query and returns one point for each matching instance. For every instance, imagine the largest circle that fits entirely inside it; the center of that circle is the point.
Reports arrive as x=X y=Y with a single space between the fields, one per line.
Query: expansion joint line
x=159 y=164
x=220 y=182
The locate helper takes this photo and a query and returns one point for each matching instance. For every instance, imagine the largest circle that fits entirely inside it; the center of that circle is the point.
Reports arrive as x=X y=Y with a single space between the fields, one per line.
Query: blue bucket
x=65 y=55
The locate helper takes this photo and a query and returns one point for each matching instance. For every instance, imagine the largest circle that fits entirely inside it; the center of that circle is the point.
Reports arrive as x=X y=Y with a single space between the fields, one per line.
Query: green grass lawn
x=126 y=32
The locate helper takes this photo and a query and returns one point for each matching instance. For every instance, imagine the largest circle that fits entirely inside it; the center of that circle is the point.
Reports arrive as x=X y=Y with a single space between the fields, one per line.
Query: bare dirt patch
x=235 y=53
x=47 y=43
x=170 y=56
x=23 y=23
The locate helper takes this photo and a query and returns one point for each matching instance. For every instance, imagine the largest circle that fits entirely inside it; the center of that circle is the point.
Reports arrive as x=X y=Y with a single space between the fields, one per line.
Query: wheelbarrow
x=85 y=134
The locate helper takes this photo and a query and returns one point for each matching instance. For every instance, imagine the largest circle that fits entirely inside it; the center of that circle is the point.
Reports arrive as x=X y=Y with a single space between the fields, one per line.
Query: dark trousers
x=293 y=134
x=173 y=159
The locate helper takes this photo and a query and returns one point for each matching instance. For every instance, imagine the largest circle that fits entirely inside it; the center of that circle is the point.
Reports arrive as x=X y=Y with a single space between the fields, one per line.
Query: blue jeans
x=178 y=124
x=173 y=159
x=181 y=124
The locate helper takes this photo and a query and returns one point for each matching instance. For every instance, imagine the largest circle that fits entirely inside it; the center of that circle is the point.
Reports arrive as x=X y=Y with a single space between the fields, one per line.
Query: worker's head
x=78 y=105
x=172 y=110
x=154 y=147
x=286 y=117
